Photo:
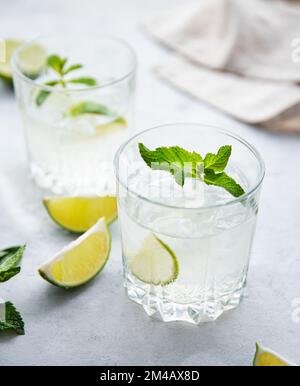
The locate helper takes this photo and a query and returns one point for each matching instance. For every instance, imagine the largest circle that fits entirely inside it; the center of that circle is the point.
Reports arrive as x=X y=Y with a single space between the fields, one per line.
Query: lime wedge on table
x=78 y=214
x=32 y=59
x=266 y=357
x=81 y=260
x=5 y=67
x=155 y=263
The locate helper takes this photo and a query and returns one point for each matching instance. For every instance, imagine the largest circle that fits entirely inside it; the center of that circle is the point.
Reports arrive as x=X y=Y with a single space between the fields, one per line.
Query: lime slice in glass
x=116 y=125
x=32 y=60
x=155 y=263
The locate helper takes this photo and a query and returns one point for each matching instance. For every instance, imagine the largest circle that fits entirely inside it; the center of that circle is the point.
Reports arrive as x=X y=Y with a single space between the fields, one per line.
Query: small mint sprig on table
x=60 y=67
x=10 y=318
x=182 y=163
x=13 y=319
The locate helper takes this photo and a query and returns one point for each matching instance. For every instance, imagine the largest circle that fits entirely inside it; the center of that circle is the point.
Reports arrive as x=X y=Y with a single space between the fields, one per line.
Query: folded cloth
x=240 y=56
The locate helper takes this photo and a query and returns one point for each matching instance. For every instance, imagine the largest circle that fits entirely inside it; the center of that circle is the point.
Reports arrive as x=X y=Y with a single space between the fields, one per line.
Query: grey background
x=96 y=324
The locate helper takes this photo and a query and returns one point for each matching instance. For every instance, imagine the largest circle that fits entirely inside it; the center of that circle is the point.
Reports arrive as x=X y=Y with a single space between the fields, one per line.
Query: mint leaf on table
x=6 y=275
x=9 y=262
x=13 y=319
x=90 y=107
x=182 y=163
x=179 y=162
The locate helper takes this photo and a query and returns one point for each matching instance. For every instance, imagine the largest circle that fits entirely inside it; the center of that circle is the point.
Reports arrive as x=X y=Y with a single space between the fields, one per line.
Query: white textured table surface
x=97 y=325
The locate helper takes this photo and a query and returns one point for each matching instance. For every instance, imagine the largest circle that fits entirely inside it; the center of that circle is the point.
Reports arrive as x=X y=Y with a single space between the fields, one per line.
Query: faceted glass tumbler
x=73 y=129
x=186 y=250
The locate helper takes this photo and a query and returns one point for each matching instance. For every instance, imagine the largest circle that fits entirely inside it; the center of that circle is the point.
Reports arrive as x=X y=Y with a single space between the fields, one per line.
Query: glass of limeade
x=186 y=248
x=76 y=98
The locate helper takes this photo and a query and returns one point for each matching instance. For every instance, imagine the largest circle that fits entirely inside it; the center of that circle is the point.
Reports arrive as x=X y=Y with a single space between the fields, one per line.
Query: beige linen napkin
x=238 y=55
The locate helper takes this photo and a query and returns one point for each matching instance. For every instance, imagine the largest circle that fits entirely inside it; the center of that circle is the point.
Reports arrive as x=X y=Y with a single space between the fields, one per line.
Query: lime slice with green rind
x=116 y=125
x=155 y=263
x=5 y=67
x=81 y=260
x=78 y=214
x=32 y=59
x=266 y=357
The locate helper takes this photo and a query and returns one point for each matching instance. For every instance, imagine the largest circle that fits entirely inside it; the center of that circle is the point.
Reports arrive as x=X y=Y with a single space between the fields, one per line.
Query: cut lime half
x=81 y=260
x=155 y=263
x=266 y=357
x=78 y=214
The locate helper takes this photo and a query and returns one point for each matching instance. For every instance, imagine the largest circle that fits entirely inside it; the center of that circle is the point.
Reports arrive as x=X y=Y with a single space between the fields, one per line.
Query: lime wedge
x=266 y=357
x=80 y=261
x=5 y=68
x=31 y=60
x=155 y=263
x=117 y=124
x=78 y=214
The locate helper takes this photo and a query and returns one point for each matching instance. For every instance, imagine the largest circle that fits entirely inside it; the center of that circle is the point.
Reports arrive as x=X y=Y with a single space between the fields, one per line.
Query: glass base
x=75 y=182
x=164 y=309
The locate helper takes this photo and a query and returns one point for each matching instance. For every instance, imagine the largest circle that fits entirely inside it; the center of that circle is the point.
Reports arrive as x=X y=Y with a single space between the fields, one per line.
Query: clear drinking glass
x=73 y=129
x=207 y=232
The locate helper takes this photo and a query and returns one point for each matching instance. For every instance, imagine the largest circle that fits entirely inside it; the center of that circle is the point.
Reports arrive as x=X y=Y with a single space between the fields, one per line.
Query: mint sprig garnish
x=13 y=319
x=179 y=162
x=182 y=163
x=61 y=68
x=10 y=318
x=9 y=262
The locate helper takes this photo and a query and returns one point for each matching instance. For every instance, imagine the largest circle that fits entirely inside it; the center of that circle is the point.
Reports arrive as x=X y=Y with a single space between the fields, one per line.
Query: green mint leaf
x=224 y=181
x=179 y=162
x=84 y=80
x=52 y=83
x=6 y=275
x=9 y=261
x=218 y=162
x=182 y=163
x=56 y=63
x=89 y=107
x=41 y=97
x=13 y=320
x=43 y=94
x=71 y=68
x=11 y=257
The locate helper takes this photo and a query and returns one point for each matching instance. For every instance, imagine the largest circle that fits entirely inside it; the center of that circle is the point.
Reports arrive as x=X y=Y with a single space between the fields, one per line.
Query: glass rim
x=216 y=129
x=21 y=75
